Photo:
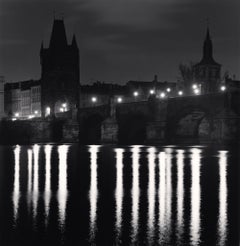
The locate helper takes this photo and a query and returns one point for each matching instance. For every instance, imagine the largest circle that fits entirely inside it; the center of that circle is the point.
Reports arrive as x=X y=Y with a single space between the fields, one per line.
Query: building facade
x=59 y=72
x=207 y=72
x=23 y=99
x=1 y=97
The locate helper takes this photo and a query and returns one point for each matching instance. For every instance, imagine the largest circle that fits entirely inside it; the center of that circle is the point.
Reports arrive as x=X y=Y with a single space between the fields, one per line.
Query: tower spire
x=58 y=36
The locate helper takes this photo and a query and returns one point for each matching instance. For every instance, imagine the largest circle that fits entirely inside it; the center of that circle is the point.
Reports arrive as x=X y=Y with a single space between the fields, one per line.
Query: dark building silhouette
x=207 y=71
x=60 y=72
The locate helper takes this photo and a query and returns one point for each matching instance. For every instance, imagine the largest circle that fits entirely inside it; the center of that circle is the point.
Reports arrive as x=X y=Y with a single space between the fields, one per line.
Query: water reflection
x=151 y=194
x=168 y=191
x=162 y=196
x=135 y=192
x=195 y=221
x=30 y=168
x=180 y=194
x=222 y=214
x=16 y=185
x=47 y=191
x=35 y=194
x=119 y=193
x=62 y=184
x=93 y=192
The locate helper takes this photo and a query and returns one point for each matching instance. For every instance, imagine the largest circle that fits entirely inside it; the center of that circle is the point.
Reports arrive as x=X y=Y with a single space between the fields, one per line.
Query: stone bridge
x=204 y=118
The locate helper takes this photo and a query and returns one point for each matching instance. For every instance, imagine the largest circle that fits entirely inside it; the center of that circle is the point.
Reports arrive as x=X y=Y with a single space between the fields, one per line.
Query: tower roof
x=58 y=37
x=74 y=42
x=208 y=51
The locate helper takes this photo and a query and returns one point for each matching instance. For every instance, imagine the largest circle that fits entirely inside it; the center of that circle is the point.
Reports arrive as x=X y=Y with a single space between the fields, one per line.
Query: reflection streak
x=93 y=192
x=119 y=192
x=35 y=179
x=30 y=168
x=16 y=186
x=47 y=192
x=162 y=197
x=222 y=216
x=180 y=193
x=135 y=192
x=151 y=194
x=195 y=197
x=62 y=184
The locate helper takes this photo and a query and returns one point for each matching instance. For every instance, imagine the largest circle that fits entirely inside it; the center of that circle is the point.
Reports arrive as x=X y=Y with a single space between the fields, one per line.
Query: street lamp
x=194 y=86
x=48 y=110
x=35 y=112
x=119 y=100
x=223 y=88
x=94 y=99
x=168 y=89
x=152 y=92
x=17 y=114
x=162 y=95
x=196 y=91
x=180 y=93
x=135 y=93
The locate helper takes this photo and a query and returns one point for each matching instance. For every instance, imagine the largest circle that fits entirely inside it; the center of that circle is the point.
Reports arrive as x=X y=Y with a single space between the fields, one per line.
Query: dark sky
x=120 y=40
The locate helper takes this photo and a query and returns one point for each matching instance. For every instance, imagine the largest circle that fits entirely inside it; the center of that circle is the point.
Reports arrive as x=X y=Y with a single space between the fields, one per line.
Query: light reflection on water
x=135 y=192
x=62 y=184
x=47 y=191
x=119 y=193
x=16 y=186
x=93 y=192
x=195 y=223
x=180 y=194
x=165 y=197
x=222 y=193
x=151 y=195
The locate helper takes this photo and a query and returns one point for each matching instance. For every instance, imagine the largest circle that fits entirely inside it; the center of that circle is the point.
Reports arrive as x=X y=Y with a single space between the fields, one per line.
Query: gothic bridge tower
x=60 y=72
x=207 y=72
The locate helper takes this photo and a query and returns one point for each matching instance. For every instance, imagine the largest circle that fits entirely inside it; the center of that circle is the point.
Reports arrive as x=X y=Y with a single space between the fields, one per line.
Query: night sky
x=120 y=40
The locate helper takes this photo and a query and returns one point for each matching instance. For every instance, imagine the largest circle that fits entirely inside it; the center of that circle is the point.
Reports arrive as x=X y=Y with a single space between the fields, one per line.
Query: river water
x=119 y=195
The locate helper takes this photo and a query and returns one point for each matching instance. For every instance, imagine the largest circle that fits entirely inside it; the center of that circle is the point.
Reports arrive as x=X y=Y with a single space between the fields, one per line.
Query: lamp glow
x=180 y=93
x=119 y=100
x=94 y=99
x=135 y=93
x=223 y=88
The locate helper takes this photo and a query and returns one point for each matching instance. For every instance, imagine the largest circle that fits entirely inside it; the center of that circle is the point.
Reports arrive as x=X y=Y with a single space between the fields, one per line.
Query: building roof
x=23 y=85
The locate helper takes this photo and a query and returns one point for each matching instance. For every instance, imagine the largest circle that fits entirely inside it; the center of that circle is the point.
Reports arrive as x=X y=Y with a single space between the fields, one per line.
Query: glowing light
x=135 y=93
x=94 y=99
x=194 y=86
x=119 y=100
x=119 y=192
x=223 y=88
x=13 y=119
x=30 y=116
x=16 y=114
x=35 y=112
x=48 y=111
x=162 y=95
x=180 y=93
x=64 y=105
x=168 y=89
x=151 y=92
x=61 y=109
x=196 y=91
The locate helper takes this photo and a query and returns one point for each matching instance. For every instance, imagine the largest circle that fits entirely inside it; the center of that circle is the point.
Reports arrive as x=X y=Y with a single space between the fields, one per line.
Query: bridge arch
x=91 y=129
x=132 y=128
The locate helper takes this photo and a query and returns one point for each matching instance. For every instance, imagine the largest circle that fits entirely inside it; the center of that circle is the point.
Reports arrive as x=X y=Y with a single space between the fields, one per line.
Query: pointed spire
x=58 y=37
x=74 y=42
x=208 y=48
